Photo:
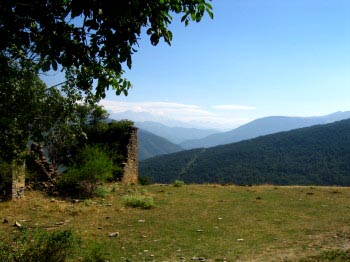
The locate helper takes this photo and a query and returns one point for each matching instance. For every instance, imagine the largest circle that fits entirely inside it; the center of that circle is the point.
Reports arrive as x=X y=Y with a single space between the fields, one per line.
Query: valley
x=317 y=155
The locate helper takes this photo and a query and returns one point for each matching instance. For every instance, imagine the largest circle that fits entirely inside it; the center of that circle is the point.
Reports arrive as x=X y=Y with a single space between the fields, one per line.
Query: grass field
x=197 y=222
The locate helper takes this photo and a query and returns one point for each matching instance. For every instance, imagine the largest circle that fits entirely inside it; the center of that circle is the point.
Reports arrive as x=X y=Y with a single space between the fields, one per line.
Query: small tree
x=32 y=111
x=92 y=167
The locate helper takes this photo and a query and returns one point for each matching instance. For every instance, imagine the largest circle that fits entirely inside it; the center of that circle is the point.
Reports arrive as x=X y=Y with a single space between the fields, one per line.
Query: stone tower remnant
x=18 y=180
x=130 y=170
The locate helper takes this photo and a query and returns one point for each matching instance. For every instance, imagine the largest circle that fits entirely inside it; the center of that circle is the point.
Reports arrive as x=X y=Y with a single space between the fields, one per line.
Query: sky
x=256 y=58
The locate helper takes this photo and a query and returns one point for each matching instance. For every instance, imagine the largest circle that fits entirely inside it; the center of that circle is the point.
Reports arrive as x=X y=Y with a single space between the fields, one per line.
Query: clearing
x=197 y=222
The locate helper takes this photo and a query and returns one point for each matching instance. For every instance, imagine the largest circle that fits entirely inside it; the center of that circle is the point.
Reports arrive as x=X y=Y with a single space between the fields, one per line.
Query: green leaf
x=54 y=65
x=149 y=31
x=209 y=6
x=46 y=66
x=210 y=13
x=193 y=16
x=154 y=39
x=198 y=17
x=128 y=62
x=124 y=85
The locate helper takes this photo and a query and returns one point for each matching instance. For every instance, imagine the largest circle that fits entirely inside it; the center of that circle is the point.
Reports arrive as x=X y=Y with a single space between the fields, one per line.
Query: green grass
x=219 y=223
x=144 y=202
x=330 y=256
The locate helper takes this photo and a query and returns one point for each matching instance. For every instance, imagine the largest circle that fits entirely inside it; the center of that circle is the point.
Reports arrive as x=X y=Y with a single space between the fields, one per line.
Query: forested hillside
x=175 y=134
x=151 y=145
x=317 y=155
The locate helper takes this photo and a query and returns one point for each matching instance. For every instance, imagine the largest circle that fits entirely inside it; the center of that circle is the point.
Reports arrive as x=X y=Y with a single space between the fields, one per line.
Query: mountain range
x=261 y=127
x=313 y=155
x=158 y=139
x=175 y=134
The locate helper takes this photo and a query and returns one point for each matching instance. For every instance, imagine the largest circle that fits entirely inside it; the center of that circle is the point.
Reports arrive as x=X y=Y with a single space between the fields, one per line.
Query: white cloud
x=233 y=107
x=166 y=112
x=157 y=108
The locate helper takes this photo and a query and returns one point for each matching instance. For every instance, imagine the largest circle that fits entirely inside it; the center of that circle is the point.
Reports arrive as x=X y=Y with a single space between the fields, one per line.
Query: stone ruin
x=130 y=169
x=46 y=174
x=18 y=180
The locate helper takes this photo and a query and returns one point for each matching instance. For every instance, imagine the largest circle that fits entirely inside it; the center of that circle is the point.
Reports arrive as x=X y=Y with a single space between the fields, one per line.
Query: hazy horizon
x=146 y=117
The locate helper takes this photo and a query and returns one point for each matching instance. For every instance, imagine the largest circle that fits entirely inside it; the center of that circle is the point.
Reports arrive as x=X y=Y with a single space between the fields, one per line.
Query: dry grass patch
x=232 y=223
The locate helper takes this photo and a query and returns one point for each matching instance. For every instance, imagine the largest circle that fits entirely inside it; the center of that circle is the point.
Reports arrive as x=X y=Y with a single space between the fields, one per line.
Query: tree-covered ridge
x=314 y=155
x=150 y=145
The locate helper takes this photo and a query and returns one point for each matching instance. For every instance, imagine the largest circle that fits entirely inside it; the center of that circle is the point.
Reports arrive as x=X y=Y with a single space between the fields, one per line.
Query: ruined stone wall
x=18 y=180
x=130 y=171
x=45 y=173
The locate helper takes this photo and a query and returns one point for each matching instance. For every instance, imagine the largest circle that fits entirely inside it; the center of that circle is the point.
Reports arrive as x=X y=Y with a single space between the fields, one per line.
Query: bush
x=115 y=137
x=5 y=180
x=42 y=247
x=144 y=202
x=92 y=167
x=178 y=183
x=144 y=180
x=102 y=192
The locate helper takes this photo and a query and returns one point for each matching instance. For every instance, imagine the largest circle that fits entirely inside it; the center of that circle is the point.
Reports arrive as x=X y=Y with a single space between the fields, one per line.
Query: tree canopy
x=32 y=111
x=92 y=41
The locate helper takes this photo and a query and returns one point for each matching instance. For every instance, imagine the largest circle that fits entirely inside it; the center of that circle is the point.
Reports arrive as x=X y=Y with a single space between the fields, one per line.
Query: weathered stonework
x=18 y=180
x=45 y=173
x=130 y=171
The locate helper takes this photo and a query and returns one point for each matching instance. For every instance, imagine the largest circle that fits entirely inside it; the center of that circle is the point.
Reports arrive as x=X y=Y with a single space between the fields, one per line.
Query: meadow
x=196 y=222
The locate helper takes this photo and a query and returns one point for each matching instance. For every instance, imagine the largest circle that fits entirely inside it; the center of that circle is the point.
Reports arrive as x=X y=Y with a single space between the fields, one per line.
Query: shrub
x=143 y=191
x=92 y=167
x=144 y=180
x=144 y=202
x=42 y=247
x=102 y=192
x=178 y=183
x=115 y=137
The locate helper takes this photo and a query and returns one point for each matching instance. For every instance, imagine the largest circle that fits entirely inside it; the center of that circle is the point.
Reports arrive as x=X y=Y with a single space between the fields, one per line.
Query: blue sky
x=256 y=58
